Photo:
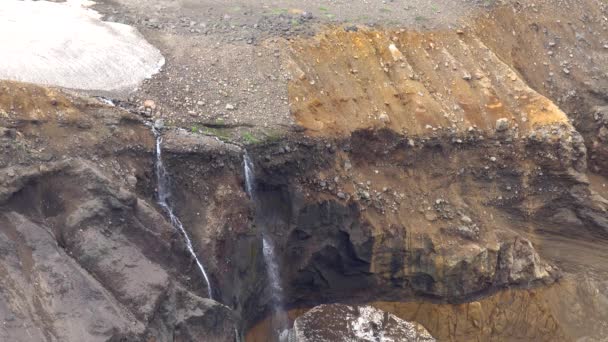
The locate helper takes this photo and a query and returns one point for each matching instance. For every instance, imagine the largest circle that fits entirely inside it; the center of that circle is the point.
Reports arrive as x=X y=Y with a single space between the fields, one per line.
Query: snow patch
x=66 y=44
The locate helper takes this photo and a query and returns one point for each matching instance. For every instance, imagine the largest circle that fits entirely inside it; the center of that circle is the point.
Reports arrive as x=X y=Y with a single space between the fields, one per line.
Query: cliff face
x=84 y=256
x=435 y=175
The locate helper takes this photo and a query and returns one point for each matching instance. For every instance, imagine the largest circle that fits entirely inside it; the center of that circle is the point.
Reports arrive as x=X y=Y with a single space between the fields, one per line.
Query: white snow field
x=68 y=45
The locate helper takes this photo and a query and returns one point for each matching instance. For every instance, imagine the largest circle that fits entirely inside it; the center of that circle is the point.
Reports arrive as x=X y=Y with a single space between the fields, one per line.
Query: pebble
x=347 y=165
x=430 y=216
x=502 y=124
x=132 y=180
x=384 y=118
x=230 y=107
x=466 y=219
x=351 y=28
x=149 y=104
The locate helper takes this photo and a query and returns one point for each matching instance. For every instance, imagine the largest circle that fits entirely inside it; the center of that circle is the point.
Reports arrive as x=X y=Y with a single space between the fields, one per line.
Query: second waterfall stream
x=270 y=259
x=164 y=193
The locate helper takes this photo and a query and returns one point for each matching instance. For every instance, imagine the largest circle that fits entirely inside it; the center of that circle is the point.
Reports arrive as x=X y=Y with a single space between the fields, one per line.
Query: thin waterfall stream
x=164 y=193
x=272 y=267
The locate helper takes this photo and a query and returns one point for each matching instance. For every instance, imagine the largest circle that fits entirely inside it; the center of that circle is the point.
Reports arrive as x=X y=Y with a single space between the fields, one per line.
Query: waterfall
x=272 y=267
x=163 y=193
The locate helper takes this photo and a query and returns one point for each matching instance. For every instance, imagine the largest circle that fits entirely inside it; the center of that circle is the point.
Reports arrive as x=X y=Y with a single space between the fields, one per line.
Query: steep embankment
x=442 y=161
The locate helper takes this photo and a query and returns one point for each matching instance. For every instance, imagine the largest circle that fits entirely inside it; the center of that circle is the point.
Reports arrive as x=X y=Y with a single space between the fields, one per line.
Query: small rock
x=150 y=104
x=430 y=216
x=384 y=118
x=4 y=131
x=467 y=77
x=502 y=124
x=132 y=180
x=230 y=107
x=159 y=124
x=566 y=71
x=348 y=165
x=306 y=15
x=341 y=195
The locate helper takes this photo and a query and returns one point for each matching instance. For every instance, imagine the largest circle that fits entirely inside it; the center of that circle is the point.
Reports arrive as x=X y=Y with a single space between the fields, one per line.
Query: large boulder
x=339 y=322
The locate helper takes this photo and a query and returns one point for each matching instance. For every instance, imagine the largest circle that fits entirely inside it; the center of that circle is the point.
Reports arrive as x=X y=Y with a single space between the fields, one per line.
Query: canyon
x=440 y=178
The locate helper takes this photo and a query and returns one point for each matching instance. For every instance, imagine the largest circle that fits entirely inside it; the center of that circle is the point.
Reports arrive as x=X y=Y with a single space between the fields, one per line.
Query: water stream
x=164 y=194
x=272 y=267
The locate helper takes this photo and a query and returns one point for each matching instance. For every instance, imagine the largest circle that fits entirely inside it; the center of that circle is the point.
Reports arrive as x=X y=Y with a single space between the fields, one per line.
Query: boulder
x=339 y=322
